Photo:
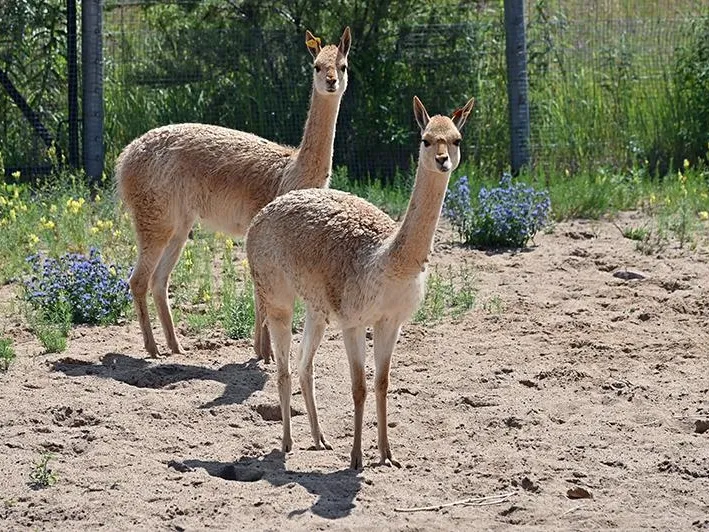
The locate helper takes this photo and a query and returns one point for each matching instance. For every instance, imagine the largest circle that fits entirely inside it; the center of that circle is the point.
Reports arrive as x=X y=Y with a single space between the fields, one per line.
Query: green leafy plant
x=7 y=353
x=449 y=291
x=42 y=475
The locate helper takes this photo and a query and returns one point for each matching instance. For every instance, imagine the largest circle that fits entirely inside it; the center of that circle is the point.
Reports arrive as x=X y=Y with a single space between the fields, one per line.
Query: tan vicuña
x=348 y=262
x=173 y=175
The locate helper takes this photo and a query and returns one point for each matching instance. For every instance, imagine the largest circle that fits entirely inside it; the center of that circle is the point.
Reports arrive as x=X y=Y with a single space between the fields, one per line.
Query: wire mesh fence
x=604 y=77
x=607 y=81
x=259 y=80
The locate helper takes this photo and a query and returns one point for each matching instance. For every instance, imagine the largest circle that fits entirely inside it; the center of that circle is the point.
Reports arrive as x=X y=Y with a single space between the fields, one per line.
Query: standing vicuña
x=346 y=259
x=173 y=175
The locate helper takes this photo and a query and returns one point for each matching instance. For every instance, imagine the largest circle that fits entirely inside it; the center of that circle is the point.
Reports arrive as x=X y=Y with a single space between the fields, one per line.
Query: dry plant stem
x=474 y=501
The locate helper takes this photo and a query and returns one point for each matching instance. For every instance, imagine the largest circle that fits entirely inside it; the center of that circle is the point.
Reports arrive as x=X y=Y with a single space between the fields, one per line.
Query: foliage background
x=613 y=83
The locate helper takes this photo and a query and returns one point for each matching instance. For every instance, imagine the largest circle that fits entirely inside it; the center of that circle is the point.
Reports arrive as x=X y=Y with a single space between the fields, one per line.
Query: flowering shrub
x=84 y=289
x=504 y=216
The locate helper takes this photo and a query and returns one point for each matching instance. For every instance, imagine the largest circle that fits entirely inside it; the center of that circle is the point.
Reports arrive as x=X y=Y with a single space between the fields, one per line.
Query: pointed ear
x=313 y=43
x=461 y=115
x=345 y=42
x=420 y=114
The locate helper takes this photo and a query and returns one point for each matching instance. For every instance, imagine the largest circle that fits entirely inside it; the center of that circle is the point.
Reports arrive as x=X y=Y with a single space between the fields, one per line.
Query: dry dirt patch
x=580 y=391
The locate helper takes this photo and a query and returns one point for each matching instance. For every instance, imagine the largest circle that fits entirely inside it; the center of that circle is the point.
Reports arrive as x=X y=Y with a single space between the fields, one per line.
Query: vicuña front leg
x=280 y=327
x=312 y=336
x=356 y=351
x=385 y=336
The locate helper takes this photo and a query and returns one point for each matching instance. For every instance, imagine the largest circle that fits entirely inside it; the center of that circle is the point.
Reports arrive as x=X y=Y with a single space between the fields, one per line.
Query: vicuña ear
x=313 y=43
x=345 y=42
x=420 y=114
x=461 y=115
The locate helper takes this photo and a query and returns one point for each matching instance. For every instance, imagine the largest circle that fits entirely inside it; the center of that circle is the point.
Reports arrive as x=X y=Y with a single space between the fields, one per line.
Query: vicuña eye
x=426 y=143
x=317 y=68
x=343 y=68
x=456 y=142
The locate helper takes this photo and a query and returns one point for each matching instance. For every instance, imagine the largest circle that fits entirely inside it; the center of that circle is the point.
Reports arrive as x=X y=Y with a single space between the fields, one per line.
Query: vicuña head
x=329 y=63
x=173 y=175
x=348 y=262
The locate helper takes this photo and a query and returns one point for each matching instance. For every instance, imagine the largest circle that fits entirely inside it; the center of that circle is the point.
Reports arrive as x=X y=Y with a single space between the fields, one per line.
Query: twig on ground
x=473 y=501
x=572 y=509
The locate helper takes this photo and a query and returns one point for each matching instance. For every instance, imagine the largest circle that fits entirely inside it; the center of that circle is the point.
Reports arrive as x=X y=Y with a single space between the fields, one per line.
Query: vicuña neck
x=409 y=249
x=313 y=163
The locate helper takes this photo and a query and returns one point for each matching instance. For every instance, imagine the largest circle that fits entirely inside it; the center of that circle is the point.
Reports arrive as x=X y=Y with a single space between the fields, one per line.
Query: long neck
x=313 y=163
x=409 y=249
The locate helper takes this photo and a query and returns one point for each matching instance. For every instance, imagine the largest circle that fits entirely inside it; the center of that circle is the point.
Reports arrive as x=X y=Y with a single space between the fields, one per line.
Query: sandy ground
x=563 y=377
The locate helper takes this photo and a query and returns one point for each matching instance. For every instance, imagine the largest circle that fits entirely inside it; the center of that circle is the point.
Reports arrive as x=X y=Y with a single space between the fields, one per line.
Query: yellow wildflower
x=104 y=225
x=94 y=230
x=12 y=215
x=16 y=174
x=74 y=206
x=3 y=201
x=97 y=198
x=653 y=199
x=686 y=164
x=32 y=239
x=47 y=224
x=117 y=233
x=52 y=208
x=229 y=244
x=704 y=215
x=245 y=263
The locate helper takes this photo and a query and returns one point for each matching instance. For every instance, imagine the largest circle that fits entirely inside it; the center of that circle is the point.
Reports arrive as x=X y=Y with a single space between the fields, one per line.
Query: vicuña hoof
x=356 y=462
x=321 y=445
x=287 y=445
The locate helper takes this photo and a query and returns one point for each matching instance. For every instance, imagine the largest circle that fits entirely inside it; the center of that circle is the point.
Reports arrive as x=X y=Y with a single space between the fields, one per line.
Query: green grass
x=7 y=353
x=450 y=292
x=211 y=288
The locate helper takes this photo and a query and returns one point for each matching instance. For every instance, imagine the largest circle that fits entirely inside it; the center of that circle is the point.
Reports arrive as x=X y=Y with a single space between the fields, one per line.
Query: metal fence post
x=73 y=83
x=92 y=104
x=516 y=53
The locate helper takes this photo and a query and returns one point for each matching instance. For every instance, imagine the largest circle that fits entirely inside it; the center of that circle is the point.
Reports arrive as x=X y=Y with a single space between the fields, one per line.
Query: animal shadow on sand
x=240 y=380
x=336 y=491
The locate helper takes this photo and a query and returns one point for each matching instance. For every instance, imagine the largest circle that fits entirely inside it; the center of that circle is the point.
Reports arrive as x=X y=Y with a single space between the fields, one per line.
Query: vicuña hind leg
x=262 y=339
x=159 y=282
x=355 y=345
x=385 y=336
x=312 y=336
x=149 y=251
x=279 y=321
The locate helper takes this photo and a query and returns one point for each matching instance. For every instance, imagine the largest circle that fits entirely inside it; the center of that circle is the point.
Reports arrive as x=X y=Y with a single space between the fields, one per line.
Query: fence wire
x=603 y=82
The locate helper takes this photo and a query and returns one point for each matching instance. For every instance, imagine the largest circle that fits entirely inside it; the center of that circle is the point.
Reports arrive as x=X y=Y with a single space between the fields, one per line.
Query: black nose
x=331 y=81
x=442 y=157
